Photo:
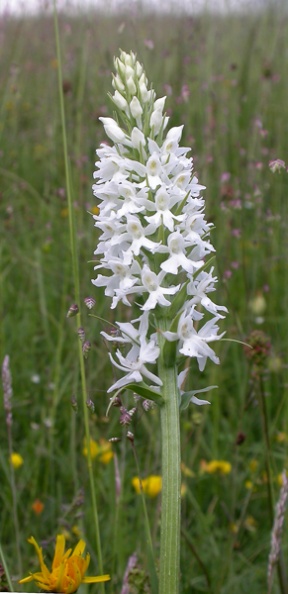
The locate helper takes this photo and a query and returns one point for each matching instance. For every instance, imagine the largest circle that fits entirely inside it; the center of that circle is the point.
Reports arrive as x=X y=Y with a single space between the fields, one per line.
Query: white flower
x=163 y=205
x=152 y=284
x=113 y=130
x=152 y=225
x=135 y=364
x=198 y=288
x=193 y=343
x=176 y=248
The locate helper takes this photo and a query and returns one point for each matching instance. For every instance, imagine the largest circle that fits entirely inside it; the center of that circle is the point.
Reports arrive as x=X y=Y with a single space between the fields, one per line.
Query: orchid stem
x=171 y=479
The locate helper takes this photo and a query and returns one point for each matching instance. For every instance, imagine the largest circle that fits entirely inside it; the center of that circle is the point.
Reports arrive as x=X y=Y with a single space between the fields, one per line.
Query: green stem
x=171 y=478
x=5 y=567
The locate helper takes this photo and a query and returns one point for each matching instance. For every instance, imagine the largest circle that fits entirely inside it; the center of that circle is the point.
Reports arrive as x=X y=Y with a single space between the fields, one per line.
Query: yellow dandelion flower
x=16 y=460
x=151 y=485
x=68 y=568
x=217 y=467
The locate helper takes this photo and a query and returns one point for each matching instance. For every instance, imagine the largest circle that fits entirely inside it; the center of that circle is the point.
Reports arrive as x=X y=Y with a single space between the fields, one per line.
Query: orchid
x=153 y=256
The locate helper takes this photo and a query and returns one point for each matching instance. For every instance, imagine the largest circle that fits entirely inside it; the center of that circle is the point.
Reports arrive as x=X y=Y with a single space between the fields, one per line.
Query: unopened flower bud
x=118 y=84
x=81 y=334
x=113 y=130
x=120 y=101
x=126 y=415
x=129 y=73
x=116 y=401
x=135 y=108
x=147 y=405
x=72 y=311
x=131 y=85
x=90 y=405
x=89 y=302
x=74 y=404
x=86 y=348
x=114 y=439
x=130 y=436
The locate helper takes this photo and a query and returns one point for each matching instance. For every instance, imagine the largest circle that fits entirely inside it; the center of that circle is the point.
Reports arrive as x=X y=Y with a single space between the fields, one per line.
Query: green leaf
x=186 y=396
x=145 y=392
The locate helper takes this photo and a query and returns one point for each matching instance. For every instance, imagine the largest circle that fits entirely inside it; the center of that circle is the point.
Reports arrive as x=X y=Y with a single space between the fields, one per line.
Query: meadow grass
x=226 y=79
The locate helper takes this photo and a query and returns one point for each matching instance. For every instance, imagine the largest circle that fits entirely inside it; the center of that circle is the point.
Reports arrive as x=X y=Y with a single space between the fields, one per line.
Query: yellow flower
x=16 y=460
x=250 y=524
x=102 y=450
x=67 y=571
x=105 y=451
x=216 y=466
x=151 y=485
x=249 y=485
x=94 y=448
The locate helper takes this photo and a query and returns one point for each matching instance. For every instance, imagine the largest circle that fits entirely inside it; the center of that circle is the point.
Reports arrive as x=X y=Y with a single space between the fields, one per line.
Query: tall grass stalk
x=75 y=268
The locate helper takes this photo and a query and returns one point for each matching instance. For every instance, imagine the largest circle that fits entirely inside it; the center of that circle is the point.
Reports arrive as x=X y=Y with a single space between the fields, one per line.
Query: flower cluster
x=154 y=239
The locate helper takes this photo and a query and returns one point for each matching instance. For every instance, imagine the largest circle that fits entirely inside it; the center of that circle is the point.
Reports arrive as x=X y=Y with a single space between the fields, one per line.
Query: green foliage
x=228 y=79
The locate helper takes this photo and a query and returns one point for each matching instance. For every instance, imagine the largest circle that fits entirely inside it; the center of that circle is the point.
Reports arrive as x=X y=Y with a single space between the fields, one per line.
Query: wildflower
x=94 y=448
x=68 y=568
x=250 y=524
x=16 y=460
x=152 y=226
x=37 y=507
x=277 y=165
x=102 y=450
x=249 y=485
x=217 y=467
x=7 y=389
x=257 y=305
x=151 y=485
